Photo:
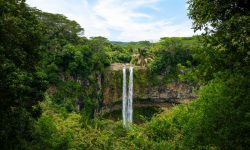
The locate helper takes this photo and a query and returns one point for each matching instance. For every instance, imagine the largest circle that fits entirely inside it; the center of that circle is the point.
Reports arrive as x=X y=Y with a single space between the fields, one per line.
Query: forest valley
x=50 y=76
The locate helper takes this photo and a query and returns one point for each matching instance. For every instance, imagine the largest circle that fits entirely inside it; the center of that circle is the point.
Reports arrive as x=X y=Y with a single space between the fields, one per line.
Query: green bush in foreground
x=218 y=119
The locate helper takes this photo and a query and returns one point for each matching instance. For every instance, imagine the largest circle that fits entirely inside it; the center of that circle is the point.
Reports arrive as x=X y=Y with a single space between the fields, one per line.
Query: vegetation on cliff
x=51 y=79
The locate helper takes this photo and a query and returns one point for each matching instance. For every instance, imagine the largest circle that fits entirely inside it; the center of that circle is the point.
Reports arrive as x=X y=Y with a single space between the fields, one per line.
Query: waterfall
x=124 y=97
x=127 y=101
x=130 y=95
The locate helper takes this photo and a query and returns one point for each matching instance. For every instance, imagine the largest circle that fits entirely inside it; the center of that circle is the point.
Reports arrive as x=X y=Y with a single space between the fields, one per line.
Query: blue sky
x=124 y=20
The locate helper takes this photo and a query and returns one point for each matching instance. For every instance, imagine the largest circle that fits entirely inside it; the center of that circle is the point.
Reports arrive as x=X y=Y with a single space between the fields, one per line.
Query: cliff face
x=147 y=89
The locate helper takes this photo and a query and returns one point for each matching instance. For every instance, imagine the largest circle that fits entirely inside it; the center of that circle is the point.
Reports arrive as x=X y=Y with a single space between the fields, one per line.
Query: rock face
x=147 y=89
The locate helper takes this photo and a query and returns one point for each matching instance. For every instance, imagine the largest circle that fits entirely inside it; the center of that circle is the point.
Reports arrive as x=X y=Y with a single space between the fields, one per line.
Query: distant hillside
x=119 y=43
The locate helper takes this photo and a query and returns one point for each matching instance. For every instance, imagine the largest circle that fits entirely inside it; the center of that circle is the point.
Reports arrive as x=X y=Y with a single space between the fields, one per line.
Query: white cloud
x=100 y=18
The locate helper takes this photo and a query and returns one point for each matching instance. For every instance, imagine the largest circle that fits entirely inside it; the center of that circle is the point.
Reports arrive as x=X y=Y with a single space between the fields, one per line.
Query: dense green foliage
x=213 y=121
x=140 y=114
x=226 y=40
x=170 y=52
x=51 y=77
x=209 y=122
x=22 y=83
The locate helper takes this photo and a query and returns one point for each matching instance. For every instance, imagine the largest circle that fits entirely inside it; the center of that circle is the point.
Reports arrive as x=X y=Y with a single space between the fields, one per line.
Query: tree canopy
x=52 y=77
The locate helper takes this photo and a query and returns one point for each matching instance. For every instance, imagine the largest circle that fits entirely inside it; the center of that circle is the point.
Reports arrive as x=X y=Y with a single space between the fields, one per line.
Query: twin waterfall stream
x=127 y=98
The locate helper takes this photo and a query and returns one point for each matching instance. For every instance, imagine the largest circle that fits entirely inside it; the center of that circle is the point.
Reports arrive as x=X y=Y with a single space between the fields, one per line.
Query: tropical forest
x=63 y=90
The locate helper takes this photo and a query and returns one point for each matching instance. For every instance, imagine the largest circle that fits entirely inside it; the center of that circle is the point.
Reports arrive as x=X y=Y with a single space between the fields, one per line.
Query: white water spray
x=124 y=97
x=127 y=102
x=130 y=95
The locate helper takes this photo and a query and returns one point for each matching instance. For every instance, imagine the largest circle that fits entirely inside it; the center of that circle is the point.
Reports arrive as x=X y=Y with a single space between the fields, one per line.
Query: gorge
x=148 y=92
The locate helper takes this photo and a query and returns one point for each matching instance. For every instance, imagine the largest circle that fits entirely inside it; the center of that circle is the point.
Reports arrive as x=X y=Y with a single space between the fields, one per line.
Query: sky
x=124 y=20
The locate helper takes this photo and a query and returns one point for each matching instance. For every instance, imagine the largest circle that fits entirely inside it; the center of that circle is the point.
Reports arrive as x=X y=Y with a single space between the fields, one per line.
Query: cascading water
x=130 y=95
x=124 y=97
x=127 y=102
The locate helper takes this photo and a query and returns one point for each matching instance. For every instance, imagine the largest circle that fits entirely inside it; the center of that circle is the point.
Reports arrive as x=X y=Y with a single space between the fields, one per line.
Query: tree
x=22 y=82
x=226 y=34
x=225 y=70
x=99 y=46
x=169 y=52
x=142 y=58
x=119 y=54
x=58 y=30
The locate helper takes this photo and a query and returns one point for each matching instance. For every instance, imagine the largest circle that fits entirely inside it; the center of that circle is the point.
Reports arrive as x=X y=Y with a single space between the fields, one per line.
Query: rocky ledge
x=148 y=90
